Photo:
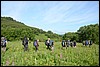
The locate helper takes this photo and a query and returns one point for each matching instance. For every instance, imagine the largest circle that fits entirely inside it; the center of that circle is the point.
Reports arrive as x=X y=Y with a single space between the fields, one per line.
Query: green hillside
x=14 y=30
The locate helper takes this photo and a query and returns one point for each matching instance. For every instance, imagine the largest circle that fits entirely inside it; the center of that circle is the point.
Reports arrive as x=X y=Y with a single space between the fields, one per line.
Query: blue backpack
x=35 y=43
x=3 y=42
x=87 y=42
x=50 y=42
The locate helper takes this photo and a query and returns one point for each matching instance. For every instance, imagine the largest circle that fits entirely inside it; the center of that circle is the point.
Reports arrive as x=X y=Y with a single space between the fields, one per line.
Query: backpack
x=35 y=43
x=25 y=41
x=87 y=42
x=3 y=42
x=90 y=42
x=63 y=43
x=68 y=42
x=51 y=42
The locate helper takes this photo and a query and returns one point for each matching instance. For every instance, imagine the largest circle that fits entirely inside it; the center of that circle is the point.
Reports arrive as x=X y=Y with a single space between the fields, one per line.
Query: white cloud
x=47 y=13
x=54 y=14
x=13 y=9
x=73 y=13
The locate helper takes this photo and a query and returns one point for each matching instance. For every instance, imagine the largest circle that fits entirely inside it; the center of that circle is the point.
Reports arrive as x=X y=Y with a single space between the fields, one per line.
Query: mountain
x=14 y=30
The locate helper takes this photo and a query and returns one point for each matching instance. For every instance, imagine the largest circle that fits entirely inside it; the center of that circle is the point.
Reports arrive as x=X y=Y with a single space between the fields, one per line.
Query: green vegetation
x=79 y=56
x=71 y=36
x=15 y=30
x=89 y=32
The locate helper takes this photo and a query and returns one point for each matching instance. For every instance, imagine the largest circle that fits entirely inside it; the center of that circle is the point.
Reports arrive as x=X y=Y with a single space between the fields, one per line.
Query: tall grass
x=79 y=56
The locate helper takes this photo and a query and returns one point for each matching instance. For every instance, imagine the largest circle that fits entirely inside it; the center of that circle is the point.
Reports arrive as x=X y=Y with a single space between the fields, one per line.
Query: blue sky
x=58 y=16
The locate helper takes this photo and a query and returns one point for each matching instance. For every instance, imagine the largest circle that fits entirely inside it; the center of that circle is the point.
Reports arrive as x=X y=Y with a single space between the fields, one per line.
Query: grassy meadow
x=79 y=56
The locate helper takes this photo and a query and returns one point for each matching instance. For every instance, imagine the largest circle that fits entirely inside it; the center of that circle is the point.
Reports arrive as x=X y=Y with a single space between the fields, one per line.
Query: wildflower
x=60 y=55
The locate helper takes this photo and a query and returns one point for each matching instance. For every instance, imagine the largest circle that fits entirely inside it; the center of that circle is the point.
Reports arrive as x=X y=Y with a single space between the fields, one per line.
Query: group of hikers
x=68 y=43
x=87 y=42
x=25 y=42
x=49 y=43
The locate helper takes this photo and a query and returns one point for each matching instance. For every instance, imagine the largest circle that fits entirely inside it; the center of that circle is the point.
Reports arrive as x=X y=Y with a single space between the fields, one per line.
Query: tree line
x=15 y=30
x=89 y=32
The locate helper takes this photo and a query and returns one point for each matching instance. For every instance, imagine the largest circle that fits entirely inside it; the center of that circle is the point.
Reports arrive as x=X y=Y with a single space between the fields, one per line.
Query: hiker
x=63 y=43
x=86 y=42
x=35 y=43
x=83 y=43
x=3 y=43
x=71 y=44
x=48 y=43
x=74 y=43
x=68 y=43
x=25 y=43
x=90 y=43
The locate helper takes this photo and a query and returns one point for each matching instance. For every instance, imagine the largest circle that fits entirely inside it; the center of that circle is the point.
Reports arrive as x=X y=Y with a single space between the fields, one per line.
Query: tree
x=89 y=32
x=70 y=36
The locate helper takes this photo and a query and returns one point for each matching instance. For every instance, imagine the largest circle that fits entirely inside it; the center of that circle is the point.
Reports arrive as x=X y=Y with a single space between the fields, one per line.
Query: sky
x=58 y=16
